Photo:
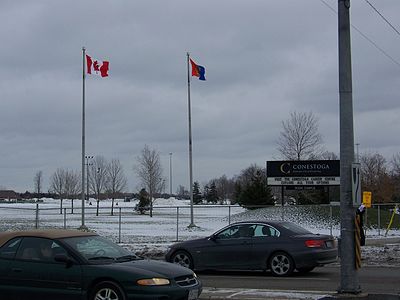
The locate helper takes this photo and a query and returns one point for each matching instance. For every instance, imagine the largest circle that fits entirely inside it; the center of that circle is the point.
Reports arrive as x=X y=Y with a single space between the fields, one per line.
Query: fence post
x=379 y=220
x=65 y=218
x=119 y=225
x=177 y=223
x=229 y=216
x=37 y=216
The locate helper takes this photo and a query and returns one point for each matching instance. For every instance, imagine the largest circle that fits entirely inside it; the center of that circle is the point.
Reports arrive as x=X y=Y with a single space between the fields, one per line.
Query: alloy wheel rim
x=183 y=260
x=106 y=294
x=280 y=264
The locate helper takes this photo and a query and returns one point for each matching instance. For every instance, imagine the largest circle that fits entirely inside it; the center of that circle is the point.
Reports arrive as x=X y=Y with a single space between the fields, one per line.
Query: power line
x=365 y=36
x=376 y=45
x=386 y=20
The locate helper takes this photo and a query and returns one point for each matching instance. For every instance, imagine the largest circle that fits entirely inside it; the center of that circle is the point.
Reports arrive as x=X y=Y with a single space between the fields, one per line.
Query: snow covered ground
x=150 y=237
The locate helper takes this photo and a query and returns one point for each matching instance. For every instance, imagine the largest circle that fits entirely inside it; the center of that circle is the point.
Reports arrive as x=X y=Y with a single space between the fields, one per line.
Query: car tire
x=182 y=258
x=305 y=270
x=107 y=290
x=281 y=264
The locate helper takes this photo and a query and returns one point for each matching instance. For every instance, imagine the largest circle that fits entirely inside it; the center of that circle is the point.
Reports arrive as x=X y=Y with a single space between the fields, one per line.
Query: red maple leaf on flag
x=96 y=66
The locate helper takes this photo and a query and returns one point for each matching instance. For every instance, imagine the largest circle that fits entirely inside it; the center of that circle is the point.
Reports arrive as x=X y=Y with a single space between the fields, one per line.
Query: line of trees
x=104 y=177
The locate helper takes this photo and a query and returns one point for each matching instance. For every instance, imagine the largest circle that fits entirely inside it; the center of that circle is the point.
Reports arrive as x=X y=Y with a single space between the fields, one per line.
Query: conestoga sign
x=310 y=172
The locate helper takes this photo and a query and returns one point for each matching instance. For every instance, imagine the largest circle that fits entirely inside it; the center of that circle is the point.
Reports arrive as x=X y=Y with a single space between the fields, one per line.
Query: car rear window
x=294 y=228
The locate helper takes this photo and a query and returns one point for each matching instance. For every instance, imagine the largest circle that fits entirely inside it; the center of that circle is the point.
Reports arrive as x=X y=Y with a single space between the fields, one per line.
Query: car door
x=7 y=254
x=34 y=275
x=230 y=249
x=266 y=239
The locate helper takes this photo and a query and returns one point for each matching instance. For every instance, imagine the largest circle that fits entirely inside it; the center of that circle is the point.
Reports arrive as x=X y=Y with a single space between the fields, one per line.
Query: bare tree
x=225 y=187
x=375 y=177
x=328 y=155
x=182 y=192
x=57 y=185
x=72 y=186
x=116 y=181
x=300 y=139
x=395 y=173
x=395 y=163
x=98 y=178
x=149 y=171
x=37 y=182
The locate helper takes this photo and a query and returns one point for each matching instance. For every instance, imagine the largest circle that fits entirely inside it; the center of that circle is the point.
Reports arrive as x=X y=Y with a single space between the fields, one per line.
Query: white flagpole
x=83 y=139
x=190 y=147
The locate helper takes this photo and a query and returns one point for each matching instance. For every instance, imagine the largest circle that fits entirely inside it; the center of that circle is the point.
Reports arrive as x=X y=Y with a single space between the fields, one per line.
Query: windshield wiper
x=127 y=258
x=101 y=257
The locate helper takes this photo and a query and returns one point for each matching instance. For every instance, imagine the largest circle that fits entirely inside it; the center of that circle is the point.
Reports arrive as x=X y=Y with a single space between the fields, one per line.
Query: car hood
x=152 y=268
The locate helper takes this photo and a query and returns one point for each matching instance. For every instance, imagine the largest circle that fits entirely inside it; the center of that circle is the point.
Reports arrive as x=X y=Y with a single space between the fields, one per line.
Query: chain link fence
x=124 y=224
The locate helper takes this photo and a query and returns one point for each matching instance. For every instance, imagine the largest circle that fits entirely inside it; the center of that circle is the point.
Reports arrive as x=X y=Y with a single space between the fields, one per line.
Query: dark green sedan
x=70 y=264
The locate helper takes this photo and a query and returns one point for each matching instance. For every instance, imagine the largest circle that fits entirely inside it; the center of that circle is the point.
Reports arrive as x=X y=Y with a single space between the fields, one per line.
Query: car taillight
x=314 y=243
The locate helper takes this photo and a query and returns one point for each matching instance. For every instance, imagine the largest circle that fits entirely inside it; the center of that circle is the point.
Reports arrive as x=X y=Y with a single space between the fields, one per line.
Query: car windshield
x=294 y=228
x=96 y=248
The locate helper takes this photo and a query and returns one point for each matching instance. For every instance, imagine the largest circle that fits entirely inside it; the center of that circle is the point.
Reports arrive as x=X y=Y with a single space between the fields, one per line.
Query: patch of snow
x=151 y=236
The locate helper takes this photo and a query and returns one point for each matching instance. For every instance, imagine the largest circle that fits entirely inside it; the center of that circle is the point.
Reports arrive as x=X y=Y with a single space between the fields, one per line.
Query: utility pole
x=349 y=281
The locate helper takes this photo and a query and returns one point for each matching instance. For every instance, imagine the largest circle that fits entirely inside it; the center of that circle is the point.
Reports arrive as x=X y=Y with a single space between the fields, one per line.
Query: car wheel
x=107 y=290
x=305 y=270
x=182 y=258
x=281 y=264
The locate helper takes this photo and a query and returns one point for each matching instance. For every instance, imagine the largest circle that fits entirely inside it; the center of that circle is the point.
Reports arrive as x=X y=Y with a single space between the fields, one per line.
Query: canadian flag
x=97 y=67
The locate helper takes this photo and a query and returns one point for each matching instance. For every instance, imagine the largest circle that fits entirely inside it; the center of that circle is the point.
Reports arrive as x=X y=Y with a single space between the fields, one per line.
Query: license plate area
x=329 y=244
x=193 y=294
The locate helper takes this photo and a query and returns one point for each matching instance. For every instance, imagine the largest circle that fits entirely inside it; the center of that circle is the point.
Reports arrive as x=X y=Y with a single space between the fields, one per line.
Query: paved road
x=376 y=280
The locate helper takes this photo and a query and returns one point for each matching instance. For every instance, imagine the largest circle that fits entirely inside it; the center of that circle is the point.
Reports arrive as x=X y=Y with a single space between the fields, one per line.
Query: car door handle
x=17 y=270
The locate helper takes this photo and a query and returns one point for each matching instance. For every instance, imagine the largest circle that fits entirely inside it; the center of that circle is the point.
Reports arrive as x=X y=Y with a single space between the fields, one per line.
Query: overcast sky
x=264 y=59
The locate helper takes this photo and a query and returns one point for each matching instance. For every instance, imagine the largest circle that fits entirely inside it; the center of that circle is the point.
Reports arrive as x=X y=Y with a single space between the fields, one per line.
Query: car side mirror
x=68 y=261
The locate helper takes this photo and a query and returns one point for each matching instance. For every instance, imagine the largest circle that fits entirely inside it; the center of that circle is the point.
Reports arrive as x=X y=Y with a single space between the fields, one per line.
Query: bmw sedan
x=280 y=247
x=70 y=264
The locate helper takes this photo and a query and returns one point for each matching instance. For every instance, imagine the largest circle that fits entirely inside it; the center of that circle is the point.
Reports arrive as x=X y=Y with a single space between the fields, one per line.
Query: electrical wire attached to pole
x=366 y=37
x=381 y=15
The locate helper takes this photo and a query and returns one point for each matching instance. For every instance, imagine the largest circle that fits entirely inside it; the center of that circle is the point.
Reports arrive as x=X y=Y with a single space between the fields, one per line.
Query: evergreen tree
x=212 y=195
x=144 y=201
x=255 y=192
x=197 y=198
x=206 y=191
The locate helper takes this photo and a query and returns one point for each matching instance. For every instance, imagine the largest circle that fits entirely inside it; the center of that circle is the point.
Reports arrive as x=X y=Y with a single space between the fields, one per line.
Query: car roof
x=268 y=222
x=44 y=233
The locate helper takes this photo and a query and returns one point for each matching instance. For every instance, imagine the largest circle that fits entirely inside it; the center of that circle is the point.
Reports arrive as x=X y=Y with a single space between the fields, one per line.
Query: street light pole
x=170 y=174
